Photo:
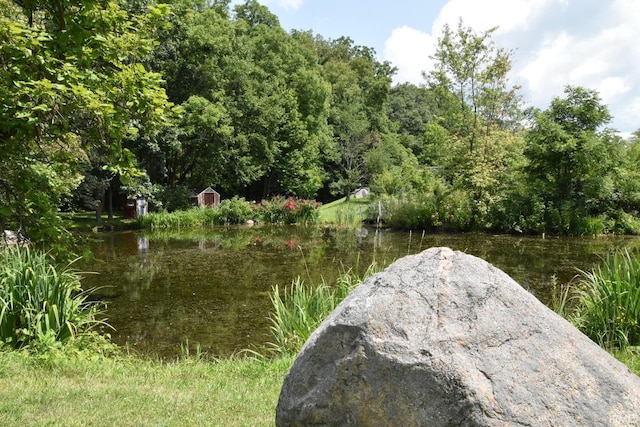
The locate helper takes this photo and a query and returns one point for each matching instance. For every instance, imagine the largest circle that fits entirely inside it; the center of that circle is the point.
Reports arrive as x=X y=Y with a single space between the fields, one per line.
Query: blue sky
x=367 y=22
x=590 y=43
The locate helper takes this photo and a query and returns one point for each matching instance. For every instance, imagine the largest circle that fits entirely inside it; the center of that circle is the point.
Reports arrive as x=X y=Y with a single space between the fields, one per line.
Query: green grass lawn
x=342 y=212
x=134 y=392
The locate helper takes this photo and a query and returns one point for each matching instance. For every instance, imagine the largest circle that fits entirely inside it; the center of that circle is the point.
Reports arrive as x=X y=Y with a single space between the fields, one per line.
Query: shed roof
x=209 y=190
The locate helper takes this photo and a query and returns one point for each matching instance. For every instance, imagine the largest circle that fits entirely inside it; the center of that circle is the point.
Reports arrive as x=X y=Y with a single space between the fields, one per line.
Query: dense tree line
x=100 y=97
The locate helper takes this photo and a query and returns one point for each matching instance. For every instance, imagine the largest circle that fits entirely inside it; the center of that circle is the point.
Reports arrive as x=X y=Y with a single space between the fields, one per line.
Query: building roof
x=209 y=190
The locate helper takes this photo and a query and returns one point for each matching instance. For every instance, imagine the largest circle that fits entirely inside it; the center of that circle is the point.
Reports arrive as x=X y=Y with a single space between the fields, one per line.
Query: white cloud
x=601 y=54
x=611 y=87
x=628 y=8
x=635 y=107
x=586 y=43
x=508 y=15
x=546 y=70
x=409 y=50
x=290 y=4
x=285 y=4
x=588 y=68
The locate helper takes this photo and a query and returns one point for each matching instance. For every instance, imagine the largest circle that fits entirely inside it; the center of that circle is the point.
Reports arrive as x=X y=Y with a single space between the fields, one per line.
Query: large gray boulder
x=445 y=339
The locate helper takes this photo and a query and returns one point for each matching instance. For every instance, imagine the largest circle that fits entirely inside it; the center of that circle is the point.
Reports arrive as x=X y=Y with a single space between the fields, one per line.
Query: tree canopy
x=100 y=97
x=73 y=82
x=254 y=103
x=572 y=162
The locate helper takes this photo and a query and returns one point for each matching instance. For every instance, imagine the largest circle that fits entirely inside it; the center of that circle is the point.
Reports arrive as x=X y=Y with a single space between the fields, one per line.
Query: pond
x=211 y=287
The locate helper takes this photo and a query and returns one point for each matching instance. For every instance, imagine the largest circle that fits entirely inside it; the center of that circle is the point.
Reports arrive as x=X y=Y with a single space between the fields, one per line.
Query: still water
x=212 y=287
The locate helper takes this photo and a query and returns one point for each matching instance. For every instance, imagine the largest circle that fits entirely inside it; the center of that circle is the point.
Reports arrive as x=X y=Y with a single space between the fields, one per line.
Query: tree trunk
x=99 y=206
x=110 y=200
x=99 y=213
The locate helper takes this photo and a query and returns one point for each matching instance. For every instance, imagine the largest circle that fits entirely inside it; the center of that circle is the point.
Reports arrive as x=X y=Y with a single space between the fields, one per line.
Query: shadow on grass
x=86 y=221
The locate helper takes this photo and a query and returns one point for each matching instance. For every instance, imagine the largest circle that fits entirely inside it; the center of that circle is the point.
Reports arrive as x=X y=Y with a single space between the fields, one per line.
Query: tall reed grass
x=40 y=302
x=231 y=211
x=195 y=217
x=347 y=216
x=300 y=308
x=608 y=302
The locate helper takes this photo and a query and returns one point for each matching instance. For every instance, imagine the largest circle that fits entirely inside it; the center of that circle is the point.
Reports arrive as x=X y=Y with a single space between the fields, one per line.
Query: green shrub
x=608 y=302
x=210 y=216
x=412 y=215
x=287 y=210
x=591 y=226
x=450 y=211
x=625 y=223
x=235 y=211
x=526 y=215
x=41 y=303
x=456 y=211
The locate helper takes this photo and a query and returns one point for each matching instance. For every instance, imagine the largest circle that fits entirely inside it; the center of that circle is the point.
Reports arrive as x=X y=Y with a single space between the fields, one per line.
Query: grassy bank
x=341 y=212
x=55 y=371
x=134 y=392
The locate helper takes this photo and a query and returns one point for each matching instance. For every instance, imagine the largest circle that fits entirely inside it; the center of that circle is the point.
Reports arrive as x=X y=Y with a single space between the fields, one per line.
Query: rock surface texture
x=443 y=338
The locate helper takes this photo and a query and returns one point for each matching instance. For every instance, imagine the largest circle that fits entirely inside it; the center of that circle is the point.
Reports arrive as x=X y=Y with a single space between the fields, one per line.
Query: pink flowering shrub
x=287 y=210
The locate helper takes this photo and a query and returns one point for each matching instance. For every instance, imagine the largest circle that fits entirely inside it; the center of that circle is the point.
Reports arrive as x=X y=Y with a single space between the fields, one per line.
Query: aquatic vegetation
x=41 y=303
x=608 y=301
x=194 y=217
x=300 y=308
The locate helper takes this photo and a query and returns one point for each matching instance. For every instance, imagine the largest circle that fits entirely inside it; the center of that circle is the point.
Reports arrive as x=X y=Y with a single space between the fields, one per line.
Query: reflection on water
x=212 y=287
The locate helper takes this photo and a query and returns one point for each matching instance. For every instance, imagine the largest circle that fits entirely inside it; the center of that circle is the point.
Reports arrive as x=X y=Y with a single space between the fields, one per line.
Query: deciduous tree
x=359 y=94
x=471 y=70
x=571 y=160
x=254 y=103
x=72 y=81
